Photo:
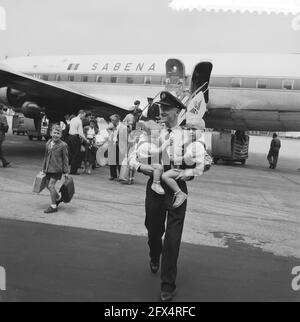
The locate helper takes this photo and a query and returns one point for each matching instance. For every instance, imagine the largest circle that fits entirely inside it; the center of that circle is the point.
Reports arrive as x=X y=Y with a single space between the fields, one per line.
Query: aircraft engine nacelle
x=3 y=96
x=12 y=97
x=31 y=110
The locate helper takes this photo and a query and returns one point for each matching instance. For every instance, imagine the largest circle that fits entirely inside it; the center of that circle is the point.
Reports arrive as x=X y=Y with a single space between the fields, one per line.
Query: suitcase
x=40 y=183
x=67 y=190
x=124 y=173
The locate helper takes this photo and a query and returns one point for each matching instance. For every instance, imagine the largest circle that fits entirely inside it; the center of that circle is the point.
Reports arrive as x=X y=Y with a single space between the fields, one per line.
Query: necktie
x=171 y=149
x=168 y=135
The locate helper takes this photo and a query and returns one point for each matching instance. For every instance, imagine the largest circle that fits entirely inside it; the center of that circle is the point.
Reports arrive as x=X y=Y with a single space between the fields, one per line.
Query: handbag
x=40 y=183
x=67 y=190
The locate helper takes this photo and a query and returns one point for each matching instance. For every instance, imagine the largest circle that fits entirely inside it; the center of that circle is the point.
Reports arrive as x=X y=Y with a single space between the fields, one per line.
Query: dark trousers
x=115 y=168
x=2 y=158
x=74 y=150
x=158 y=211
x=273 y=158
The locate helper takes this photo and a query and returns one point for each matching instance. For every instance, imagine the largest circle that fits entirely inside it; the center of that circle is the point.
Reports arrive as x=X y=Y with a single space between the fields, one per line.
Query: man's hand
x=147 y=170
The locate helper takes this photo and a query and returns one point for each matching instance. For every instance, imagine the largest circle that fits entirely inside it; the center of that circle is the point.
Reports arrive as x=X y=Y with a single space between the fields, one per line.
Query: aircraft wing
x=58 y=100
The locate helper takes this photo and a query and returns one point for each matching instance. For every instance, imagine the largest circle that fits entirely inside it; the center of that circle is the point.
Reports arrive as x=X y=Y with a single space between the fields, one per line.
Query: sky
x=56 y=27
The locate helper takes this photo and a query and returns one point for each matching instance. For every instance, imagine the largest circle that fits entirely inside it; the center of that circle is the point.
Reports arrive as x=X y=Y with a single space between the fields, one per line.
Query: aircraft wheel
x=216 y=160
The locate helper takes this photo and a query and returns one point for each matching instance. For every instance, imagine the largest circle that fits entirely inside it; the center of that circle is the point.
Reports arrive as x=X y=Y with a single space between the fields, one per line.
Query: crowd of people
x=86 y=135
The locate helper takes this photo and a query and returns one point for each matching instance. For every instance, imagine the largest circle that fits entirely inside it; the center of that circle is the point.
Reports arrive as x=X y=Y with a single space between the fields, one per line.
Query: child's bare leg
x=157 y=173
x=53 y=193
x=169 y=179
x=158 y=170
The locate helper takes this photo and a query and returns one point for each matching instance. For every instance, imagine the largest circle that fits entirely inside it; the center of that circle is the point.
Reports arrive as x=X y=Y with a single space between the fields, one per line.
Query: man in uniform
x=160 y=217
x=274 y=152
x=3 y=130
x=153 y=110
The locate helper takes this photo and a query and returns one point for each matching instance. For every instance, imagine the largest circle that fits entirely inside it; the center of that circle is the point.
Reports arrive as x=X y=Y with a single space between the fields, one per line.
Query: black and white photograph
x=149 y=153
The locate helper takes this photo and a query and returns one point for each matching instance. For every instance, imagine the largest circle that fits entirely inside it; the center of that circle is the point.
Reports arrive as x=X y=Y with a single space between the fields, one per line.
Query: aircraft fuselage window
x=129 y=80
x=45 y=77
x=85 y=79
x=288 y=84
x=113 y=79
x=157 y=80
x=99 y=79
x=71 y=78
x=121 y=79
x=262 y=84
x=58 y=78
x=236 y=82
x=147 y=80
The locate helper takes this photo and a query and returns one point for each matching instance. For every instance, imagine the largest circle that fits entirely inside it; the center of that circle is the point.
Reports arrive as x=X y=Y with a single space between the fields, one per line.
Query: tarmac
x=241 y=237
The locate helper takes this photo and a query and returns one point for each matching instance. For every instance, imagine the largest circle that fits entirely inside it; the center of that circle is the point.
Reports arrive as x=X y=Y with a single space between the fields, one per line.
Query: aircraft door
x=175 y=71
x=175 y=76
x=201 y=78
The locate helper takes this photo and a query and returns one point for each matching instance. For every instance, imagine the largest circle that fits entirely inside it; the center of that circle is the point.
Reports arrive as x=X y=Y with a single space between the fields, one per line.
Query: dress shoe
x=50 y=210
x=154 y=267
x=59 y=201
x=112 y=179
x=167 y=296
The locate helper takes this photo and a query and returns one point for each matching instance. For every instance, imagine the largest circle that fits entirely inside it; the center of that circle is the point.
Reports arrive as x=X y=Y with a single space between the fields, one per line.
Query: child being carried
x=149 y=151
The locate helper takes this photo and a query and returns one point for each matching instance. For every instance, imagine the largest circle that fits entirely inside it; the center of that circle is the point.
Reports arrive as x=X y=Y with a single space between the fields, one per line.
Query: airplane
x=247 y=92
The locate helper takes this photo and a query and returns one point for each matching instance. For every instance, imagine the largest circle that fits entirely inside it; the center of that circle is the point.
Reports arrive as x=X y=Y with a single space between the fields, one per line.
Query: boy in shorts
x=56 y=164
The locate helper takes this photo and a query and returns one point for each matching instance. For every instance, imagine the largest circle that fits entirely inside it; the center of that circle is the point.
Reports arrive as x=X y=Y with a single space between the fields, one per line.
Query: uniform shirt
x=146 y=150
x=76 y=127
x=194 y=152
